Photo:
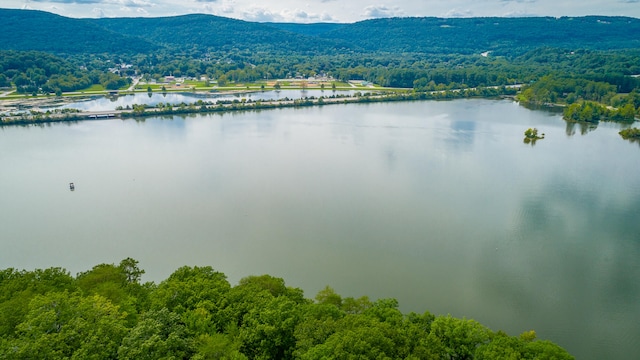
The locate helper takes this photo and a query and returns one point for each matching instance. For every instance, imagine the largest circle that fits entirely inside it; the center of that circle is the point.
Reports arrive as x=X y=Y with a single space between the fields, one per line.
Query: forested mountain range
x=504 y=36
x=33 y=30
x=210 y=32
x=43 y=31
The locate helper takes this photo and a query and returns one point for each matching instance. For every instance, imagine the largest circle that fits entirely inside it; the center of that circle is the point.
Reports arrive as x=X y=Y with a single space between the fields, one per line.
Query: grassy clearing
x=94 y=87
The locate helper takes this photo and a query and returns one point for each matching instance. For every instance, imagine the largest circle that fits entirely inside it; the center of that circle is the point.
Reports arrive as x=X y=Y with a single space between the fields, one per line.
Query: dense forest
x=503 y=36
x=108 y=313
x=41 y=72
x=33 y=30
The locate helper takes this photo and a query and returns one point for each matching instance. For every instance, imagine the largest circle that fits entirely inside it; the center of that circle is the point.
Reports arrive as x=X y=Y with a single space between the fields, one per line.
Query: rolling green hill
x=511 y=36
x=208 y=31
x=42 y=31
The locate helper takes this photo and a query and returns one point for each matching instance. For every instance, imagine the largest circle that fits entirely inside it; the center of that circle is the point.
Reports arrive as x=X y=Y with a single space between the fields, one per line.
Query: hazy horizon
x=333 y=11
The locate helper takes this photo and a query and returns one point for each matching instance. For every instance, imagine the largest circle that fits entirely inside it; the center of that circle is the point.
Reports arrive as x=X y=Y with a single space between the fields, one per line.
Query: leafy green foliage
x=267 y=331
x=40 y=72
x=196 y=314
x=68 y=325
x=18 y=288
x=593 y=112
x=632 y=134
x=160 y=334
x=531 y=136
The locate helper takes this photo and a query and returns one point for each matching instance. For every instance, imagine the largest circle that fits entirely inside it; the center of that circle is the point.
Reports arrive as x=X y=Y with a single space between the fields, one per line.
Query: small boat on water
x=72 y=186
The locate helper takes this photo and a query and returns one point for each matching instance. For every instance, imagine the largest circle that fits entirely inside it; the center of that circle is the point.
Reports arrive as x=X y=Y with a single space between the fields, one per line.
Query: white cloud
x=134 y=3
x=519 y=13
x=97 y=12
x=261 y=15
x=300 y=14
x=382 y=11
x=303 y=16
x=326 y=17
x=454 y=13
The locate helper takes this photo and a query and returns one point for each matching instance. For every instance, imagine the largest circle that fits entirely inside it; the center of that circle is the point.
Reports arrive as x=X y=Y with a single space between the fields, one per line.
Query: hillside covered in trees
x=107 y=313
x=503 y=36
x=43 y=31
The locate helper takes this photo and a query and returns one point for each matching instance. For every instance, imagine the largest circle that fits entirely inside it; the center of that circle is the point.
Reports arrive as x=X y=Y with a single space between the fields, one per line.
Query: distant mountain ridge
x=210 y=31
x=37 y=30
x=43 y=31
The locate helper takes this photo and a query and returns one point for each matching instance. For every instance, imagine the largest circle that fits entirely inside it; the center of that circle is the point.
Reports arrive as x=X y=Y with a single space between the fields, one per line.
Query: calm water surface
x=437 y=204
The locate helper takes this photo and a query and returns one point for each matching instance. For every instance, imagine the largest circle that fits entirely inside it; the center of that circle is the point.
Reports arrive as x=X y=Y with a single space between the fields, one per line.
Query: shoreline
x=141 y=111
x=26 y=102
x=12 y=101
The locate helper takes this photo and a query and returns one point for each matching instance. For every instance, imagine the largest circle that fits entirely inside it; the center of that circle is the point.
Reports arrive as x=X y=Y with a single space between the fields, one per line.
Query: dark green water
x=437 y=204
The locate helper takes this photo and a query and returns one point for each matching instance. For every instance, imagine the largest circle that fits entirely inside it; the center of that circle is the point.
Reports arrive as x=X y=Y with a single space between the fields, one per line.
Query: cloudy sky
x=307 y=11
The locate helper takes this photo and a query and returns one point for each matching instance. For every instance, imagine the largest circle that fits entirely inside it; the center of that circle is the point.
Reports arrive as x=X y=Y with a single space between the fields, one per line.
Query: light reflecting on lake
x=105 y=103
x=438 y=204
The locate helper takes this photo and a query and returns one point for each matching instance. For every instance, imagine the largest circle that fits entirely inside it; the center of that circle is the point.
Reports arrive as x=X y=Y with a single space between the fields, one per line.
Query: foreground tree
x=68 y=326
x=160 y=334
x=105 y=313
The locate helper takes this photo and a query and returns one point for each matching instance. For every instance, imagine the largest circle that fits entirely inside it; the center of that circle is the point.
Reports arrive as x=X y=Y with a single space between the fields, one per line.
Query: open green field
x=94 y=87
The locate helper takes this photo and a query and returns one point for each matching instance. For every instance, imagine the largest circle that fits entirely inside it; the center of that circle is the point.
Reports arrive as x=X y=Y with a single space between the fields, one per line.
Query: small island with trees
x=531 y=136
x=631 y=134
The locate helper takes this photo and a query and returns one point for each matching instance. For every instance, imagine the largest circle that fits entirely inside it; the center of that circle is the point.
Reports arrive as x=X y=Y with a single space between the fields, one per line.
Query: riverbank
x=40 y=117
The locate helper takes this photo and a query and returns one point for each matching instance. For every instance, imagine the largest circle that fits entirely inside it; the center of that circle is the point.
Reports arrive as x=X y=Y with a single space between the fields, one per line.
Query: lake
x=438 y=204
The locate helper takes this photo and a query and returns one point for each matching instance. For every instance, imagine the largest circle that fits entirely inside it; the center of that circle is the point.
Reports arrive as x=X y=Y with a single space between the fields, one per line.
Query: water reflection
x=238 y=124
x=570 y=242
x=462 y=133
x=585 y=127
x=104 y=103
